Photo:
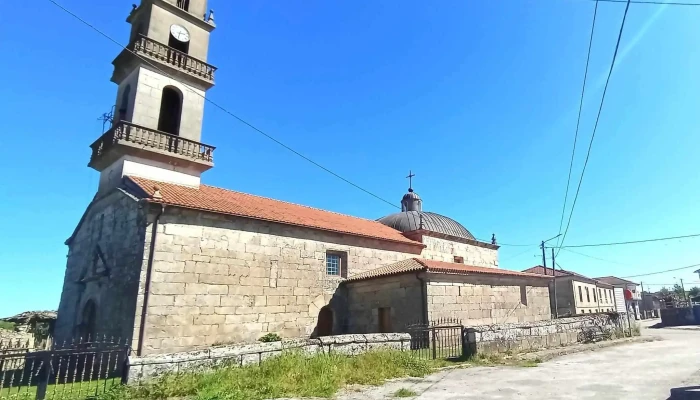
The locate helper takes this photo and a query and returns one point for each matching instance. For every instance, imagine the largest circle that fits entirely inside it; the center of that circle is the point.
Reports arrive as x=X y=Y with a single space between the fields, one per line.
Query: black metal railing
x=442 y=338
x=78 y=369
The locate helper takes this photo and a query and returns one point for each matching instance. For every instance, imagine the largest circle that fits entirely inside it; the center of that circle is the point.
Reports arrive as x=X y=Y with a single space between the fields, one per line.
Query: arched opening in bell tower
x=124 y=106
x=184 y=4
x=170 y=110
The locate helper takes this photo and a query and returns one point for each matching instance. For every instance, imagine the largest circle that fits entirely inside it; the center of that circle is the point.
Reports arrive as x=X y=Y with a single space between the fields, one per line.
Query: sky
x=478 y=98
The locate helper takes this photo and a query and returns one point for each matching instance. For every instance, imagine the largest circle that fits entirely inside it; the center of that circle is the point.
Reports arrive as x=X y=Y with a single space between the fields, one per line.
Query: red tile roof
x=540 y=270
x=417 y=264
x=217 y=200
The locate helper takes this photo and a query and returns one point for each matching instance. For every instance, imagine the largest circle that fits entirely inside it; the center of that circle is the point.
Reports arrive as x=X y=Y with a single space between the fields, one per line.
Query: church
x=171 y=264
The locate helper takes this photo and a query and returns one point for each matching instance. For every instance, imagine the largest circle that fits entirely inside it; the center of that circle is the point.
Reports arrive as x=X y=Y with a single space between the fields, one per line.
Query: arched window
x=124 y=103
x=170 y=110
x=88 y=317
x=325 y=322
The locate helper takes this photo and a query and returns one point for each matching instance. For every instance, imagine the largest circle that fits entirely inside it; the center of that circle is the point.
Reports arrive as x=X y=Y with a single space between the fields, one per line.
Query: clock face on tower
x=180 y=33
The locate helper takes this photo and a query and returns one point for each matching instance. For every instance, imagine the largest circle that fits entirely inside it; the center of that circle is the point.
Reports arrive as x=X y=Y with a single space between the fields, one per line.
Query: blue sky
x=478 y=98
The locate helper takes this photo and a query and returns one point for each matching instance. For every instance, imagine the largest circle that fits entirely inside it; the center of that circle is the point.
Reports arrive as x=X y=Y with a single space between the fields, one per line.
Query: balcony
x=178 y=62
x=127 y=138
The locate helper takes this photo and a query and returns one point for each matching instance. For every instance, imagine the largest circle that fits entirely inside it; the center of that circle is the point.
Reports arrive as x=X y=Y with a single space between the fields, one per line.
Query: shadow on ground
x=685 y=393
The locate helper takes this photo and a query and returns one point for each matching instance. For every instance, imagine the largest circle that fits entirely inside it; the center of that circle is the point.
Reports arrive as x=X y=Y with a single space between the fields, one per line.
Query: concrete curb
x=546 y=355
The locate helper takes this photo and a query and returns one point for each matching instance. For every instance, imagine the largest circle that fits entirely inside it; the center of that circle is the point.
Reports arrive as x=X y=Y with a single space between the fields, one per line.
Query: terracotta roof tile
x=540 y=270
x=217 y=200
x=417 y=264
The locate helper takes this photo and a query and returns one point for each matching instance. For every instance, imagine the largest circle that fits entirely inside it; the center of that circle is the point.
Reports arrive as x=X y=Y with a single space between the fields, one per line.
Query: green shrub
x=10 y=326
x=270 y=337
x=403 y=392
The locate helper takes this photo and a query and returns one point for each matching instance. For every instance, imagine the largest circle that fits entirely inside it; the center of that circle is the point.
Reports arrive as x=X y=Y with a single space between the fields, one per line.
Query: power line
x=671 y=3
x=595 y=127
x=661 y=272
x=630 y=242
x=578 y=119
x=521 y=253
x=596 y=258
x=250 y=125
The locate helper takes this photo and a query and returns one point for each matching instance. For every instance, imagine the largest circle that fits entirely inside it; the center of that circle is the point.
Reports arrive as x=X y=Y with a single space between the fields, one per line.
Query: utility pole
x=544 y=258
x=644 y=310
x=685 y=295
x=554 y=281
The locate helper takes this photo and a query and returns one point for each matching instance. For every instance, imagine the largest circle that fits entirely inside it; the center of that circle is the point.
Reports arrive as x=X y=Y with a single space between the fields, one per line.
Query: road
x=644 y=371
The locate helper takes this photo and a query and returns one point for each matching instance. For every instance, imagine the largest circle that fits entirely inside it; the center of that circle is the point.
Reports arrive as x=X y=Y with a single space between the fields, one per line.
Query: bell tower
x=162 y=78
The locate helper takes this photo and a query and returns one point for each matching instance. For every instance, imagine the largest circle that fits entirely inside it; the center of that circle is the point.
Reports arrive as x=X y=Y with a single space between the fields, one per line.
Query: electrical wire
x=578 y=119
x=670 y=3
x=241 y=120
x=596 y=258
x=661 y=272
x=631 y=241
x=595 y=127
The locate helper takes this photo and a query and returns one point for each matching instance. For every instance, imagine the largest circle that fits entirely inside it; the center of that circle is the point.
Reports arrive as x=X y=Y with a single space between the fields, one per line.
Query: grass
x=68 y=391
x=403 y=392
x=290 y=375
x=10 y=326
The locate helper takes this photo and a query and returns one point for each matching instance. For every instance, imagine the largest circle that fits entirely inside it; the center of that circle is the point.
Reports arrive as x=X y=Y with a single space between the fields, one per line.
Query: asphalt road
x=657 y=370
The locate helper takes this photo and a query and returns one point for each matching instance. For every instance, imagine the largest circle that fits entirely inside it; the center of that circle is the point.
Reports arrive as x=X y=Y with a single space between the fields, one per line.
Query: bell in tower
x=162 y=79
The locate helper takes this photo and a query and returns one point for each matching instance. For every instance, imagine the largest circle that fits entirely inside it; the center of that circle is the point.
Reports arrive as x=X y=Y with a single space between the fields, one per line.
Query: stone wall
x=446 y=250
x=402 y=295
x=145 y=368
x=539 y=335
x=478 y=300
x=105 y=259
x=224 y=279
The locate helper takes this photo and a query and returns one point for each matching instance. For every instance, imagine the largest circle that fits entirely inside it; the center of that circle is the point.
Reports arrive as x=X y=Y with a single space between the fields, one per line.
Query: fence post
x=434 y=345
x=463 y=337
x=44 y=376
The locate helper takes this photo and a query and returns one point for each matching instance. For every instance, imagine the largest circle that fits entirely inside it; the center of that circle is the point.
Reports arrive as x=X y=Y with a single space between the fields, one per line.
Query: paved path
x=644 y=371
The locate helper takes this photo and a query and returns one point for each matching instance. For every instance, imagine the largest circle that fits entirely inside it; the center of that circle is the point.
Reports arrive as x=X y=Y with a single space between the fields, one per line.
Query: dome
x=407 y=221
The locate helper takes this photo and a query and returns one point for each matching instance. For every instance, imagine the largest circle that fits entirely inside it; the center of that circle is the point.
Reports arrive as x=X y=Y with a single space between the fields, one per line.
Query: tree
x=664 y=291
x=694 y=291
x=678 y=291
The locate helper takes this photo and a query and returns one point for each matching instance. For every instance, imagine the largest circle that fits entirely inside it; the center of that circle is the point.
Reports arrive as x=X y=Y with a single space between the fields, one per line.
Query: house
x=577 y=294
x=170 y=264
x=627 y=293
x=650 y=306
x=35 y=328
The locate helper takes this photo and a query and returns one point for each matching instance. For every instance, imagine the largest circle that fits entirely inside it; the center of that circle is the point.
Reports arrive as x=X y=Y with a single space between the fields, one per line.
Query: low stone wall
x=145 y=368
x=537 y=335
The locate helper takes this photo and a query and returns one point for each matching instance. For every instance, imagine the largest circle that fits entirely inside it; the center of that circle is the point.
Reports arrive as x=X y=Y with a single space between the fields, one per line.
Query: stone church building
x=172 y=264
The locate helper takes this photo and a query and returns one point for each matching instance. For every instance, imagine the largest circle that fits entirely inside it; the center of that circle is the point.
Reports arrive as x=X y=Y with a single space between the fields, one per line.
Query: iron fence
x=71 y=370
x=442 y=338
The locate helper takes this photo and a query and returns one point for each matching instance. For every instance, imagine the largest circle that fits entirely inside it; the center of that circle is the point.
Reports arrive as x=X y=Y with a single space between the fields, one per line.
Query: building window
x=606 y=295
x=170 y=111
x=336 y=263
x=384 y=315
x=600 y=294
x=595 y=300
x=459 y=260
x=523 y=295
x=588 y=296
x=183 y=4
x=124 y=104
x=580 y=294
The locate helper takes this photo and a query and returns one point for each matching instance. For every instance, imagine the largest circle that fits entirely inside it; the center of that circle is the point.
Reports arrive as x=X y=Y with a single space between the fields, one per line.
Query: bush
x=10 y=326
x=270 y=337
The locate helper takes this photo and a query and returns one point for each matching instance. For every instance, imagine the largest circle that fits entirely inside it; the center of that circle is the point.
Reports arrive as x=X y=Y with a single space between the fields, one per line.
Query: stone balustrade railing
x=124 y=131
x=160 y=52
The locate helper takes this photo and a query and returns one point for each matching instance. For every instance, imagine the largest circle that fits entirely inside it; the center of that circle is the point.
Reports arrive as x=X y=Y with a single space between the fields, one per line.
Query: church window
x=523 y=295
x=384 y=317
x=580 y=294
x=336 y=263
x=459 y=260
x=124 y=103
x=332 y=264
x=170 y=111
x=594 y=297
x=588 y=296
